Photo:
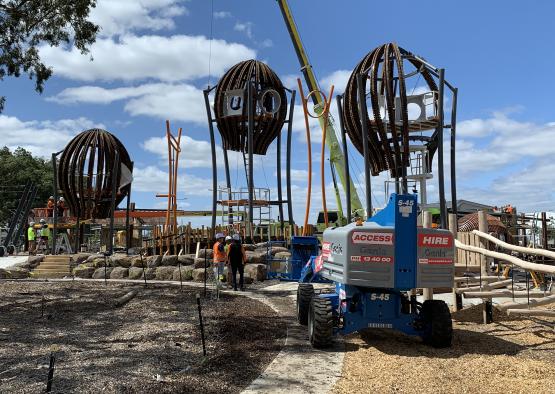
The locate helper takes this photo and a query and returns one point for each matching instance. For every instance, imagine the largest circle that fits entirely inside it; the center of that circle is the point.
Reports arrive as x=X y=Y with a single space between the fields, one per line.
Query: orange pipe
x=309 y=149
x=325 y=114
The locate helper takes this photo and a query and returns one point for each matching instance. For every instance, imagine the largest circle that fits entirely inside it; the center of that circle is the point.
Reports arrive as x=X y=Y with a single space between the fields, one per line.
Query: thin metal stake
x=143 y=265
x=528 y=288
x=180 y=279
x=105 y=274
x=205 y=273
x=513 y=280
x=201 y=326
x=50 y=373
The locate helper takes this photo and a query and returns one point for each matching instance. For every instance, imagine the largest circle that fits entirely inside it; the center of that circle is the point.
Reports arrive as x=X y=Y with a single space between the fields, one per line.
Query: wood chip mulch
x=152 y=344
x=512 y=355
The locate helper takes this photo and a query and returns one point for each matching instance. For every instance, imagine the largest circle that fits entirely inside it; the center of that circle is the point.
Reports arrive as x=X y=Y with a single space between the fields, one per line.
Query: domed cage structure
x=86 y=173
x=231 y=103
x=393 y=113
x=250 y=109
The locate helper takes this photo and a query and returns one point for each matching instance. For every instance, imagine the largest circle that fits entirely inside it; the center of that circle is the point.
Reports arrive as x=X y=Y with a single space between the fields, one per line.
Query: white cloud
x=123 y=16
x=41 y=138
x=222 y=14
x=160 y=100
x=129 y=58
x=152 y=179
x=245 y=27
x=267 y=43
x=337 y=78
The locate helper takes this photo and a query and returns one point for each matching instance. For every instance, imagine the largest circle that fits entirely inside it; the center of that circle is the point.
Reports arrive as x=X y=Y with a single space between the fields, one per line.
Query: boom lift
x=337 y=158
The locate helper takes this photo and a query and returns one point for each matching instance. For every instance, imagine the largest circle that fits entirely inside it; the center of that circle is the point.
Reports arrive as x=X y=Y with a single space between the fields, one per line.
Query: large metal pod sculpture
x=384 y=72
x=268 y=100
x=86 y=173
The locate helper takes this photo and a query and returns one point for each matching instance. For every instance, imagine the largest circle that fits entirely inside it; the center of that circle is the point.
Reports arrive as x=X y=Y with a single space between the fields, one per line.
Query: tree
x=27 y=24
x=18 y=168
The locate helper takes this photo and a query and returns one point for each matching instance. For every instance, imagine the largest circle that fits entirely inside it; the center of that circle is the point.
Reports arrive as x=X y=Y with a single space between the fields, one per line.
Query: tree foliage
x=17 y=168
x=27 y=24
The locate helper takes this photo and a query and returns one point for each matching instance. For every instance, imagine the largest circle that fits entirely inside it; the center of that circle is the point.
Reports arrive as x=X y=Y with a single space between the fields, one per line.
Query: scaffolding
x=234 y=206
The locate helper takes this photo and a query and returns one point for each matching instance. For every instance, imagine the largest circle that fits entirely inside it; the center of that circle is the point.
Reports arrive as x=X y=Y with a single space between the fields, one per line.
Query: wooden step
x=61 y=257
x=45 y=263
x=57 y=268
x=37 y=273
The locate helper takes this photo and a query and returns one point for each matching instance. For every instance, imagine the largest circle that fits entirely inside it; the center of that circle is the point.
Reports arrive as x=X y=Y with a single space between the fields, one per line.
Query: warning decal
x=372 y=259
x=360 y=237
x=435 y=261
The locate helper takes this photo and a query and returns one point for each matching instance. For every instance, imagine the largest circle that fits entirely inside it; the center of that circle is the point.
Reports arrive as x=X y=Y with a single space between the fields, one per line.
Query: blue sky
x=151 y=63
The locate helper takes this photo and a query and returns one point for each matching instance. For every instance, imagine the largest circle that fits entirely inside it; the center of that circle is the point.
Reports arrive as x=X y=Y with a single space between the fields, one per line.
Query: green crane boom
x=337 y=158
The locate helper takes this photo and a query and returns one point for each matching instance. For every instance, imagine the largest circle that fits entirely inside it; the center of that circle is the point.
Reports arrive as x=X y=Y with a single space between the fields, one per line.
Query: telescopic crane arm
x=337 y=159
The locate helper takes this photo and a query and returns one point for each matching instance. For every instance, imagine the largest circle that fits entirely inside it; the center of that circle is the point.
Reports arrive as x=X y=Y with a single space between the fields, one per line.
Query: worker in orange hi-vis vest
x=228 y=241
x=220 y=257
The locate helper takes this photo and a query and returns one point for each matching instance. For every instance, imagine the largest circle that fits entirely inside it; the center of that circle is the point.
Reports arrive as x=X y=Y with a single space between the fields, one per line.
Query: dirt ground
x=151 y=344
x=512 y=355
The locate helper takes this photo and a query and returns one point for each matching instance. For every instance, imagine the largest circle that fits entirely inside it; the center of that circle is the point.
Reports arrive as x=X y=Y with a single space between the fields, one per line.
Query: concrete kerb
x=298 y=368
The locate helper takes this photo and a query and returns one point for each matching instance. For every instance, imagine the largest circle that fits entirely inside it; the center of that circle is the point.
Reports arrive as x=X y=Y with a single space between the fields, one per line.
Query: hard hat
x=42 y=221
x=236 y=237
x=32 y=224
x=228 y=238
x=61 y=199
x=51 y=197
x=220 y=235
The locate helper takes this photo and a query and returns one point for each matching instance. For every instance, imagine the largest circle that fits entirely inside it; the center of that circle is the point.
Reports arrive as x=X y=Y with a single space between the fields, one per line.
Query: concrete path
x=9 y=261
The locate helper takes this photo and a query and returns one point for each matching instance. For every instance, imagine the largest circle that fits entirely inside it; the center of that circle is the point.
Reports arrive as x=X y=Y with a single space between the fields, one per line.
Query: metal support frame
x=361 y=79
x=339 y=99
x=288 y=158
x=453 y=140
x=440 y=126
x=55 y=213
x=228 y=184
x=279 y=191
x=128 y=233
x=250 y=147
x=213 y=150
x=115 y=170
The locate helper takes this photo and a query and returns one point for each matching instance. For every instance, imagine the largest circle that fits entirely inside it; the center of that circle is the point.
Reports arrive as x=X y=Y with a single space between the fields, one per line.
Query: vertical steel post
x=250 y=147
x=115 y=173
x=453 y=140
x=78 y=229
x=214 y=169
x=288 y=158
x=279 y=191
x=441 y=177
x=55 y=213
x=128 y=235
x=361 y=82
x=228 y=185
x=339 y=99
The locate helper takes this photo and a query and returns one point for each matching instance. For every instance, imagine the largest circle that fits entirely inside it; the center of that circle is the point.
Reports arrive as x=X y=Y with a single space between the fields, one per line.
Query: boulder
x=34 y=261
x=261 y=245
x=80 y=257
x=137 y=273
x=164 y=273
x=282 y=255
x=256 y=271
x=199 y=262
x=98 y=262
x=99 y=273
x=278 y=249
x=249 y=247
x=208 y=252
x=186 y=273
x=154 y=261
x=83 y=271
x=186 y=259
x=119 y=273
x=4 y=274
x=256 y=257
x=18 y=273
x=120 y=260
x=169 y=260
x=137 y=261
x=198 y=274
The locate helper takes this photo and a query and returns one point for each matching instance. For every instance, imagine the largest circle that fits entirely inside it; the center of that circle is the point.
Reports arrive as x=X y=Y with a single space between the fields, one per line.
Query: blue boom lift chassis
x=373 y=265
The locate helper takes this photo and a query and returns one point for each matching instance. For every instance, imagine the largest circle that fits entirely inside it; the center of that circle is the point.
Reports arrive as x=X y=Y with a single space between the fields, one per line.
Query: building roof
x=465 y=206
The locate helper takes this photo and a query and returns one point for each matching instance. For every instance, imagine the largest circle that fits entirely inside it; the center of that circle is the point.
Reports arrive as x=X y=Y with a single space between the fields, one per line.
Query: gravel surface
x=512 y=355
x=151 y=344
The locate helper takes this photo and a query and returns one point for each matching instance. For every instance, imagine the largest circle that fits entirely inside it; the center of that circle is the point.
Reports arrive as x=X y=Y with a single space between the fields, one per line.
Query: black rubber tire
x=305 y=292
x=439 y=326
x=320 y=322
